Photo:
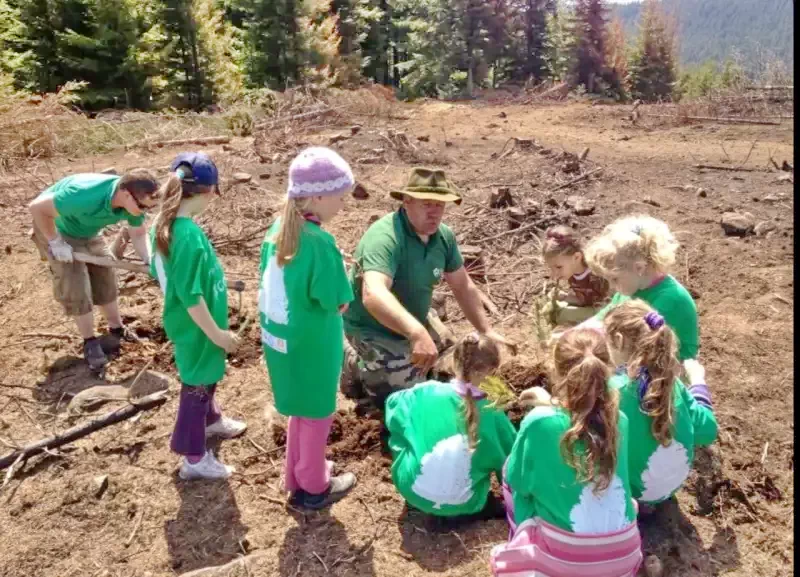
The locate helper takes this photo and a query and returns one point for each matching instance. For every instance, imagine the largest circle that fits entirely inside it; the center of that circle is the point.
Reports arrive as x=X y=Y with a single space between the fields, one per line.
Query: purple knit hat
x=319 y=171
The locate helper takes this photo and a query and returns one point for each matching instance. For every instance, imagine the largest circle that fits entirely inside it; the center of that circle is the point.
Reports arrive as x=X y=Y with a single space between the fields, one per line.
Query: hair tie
x=180 y=172
x=654 y=320
x=555 y=235
x=472 y=337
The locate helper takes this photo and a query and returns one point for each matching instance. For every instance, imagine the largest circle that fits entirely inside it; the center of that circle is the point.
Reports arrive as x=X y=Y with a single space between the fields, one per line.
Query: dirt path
x=734 y=517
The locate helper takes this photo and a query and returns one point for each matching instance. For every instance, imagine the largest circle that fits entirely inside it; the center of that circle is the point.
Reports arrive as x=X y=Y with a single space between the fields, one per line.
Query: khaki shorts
x=78 y=286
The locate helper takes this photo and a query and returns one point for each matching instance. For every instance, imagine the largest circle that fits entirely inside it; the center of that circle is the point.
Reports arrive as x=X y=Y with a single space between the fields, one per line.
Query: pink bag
x=539 y=549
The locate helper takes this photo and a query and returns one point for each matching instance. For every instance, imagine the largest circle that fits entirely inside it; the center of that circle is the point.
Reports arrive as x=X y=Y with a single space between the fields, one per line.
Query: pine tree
x=220 y=52
x=558 y=43
x=589 y=31
x=652 y=67
x=617 y=54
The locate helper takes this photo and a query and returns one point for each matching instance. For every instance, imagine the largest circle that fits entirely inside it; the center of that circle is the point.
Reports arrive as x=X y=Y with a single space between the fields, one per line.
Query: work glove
x=60 y=250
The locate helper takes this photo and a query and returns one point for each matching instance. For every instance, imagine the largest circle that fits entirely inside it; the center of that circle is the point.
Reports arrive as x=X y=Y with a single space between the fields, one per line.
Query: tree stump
x=516 y=217
x=501 y=198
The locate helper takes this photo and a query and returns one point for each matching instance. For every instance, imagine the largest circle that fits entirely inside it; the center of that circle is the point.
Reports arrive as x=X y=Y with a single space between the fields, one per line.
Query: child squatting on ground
x=195 y=312
x=562 y=252
x=635 y=254
x=302 y=294
x=567 y=489
x=447 y=439
x=666 y=420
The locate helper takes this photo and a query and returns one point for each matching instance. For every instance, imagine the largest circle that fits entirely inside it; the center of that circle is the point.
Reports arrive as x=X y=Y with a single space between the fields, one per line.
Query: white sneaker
x=206 y=468
x=226 y=428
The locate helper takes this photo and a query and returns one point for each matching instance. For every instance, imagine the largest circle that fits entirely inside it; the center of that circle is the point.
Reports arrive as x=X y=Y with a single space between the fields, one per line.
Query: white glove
x=535 y=397
x=695 y=371
x=60 y=250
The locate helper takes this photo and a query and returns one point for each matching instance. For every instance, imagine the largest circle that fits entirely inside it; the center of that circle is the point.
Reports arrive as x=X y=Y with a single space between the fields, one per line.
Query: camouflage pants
x=376 y=367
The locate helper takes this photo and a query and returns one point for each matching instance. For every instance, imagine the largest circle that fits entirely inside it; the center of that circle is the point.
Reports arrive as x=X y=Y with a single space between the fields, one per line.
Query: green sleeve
x=686 y=330
x=379 y=252
x=135 y=221
x=396 y=417
x=703 y=419
x=71 y=199
x=506 y=435
x=453 y=260
x=519 y=472
x=189 y=268
x=330 y=286
x=616 y=300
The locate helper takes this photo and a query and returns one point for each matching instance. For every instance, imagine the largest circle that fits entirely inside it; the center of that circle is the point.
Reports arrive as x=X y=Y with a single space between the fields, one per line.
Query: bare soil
x=735 y=515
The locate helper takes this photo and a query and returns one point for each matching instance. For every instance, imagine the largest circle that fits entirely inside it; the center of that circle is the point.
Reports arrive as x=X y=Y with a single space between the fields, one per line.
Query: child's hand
x=535 y=397
x=229 y=341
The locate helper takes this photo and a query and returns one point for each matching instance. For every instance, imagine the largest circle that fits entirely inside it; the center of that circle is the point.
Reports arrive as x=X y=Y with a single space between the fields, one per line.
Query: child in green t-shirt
x=666 y=420
x=302 y=294
x=195 y=312
x=635 y=254
x=567 y=488
x=447 y=438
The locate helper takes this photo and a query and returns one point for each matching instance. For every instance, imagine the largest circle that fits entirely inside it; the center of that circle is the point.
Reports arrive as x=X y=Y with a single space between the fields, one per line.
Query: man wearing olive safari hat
x=401 y=257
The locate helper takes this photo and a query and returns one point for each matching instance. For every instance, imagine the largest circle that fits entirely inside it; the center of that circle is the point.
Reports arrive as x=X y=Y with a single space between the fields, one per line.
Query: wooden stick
x=183 y=141
x=716 y=119
x=141 y=268
x=576 y=180
x=80 y=431
x=727 y=168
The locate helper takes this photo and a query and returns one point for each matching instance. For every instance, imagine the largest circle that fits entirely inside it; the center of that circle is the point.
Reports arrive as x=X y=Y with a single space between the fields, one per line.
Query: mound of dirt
x=521 y=373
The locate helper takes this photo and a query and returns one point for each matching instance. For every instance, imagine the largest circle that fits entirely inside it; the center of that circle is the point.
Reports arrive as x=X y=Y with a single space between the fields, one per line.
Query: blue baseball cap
x=204 y=171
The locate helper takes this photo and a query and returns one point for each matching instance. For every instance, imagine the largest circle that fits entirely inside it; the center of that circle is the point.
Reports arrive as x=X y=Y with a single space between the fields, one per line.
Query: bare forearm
x=202 y=318
x=469 y=299
x=388 y=311
x=139 y=242
x=45 y=222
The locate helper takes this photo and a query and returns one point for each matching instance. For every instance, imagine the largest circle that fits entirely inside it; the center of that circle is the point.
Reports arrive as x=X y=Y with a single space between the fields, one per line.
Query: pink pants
x=306 y=467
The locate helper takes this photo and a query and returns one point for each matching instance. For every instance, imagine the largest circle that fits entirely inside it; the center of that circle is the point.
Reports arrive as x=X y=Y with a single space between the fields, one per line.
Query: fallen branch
x=727 y=168
x=721 y=119
x=202 y=141
x=49 y=336
x=80 y=431
x=312 y=114
x=577 y=179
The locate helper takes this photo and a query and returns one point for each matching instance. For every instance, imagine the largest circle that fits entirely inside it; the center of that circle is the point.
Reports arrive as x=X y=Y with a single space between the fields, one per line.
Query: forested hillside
x=717 y=29
x=149 y=54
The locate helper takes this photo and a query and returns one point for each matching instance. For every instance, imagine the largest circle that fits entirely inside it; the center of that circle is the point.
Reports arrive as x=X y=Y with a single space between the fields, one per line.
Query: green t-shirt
x=301 y=327
x=392 y=247
x=191 y=271
x=657 y=472
x=545 y=486
x=675 y=304
x=83 y=203
x=433 y=467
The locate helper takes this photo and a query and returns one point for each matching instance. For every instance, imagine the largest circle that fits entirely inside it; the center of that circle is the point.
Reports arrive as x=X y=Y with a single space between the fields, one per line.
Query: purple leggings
x=197 y=410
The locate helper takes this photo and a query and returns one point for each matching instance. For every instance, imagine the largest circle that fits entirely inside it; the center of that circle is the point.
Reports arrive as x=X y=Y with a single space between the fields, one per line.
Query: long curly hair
x=582 y=368
x=653 y=356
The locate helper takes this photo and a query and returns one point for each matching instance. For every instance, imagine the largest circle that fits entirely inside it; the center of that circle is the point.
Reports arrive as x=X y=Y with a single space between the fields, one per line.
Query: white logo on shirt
x=272 y=299
x=437 y=272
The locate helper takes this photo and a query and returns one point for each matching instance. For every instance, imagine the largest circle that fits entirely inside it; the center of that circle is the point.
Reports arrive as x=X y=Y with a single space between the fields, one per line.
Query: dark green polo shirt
x=392 y=247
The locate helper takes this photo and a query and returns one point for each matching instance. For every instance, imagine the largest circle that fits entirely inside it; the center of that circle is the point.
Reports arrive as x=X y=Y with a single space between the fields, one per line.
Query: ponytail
x=171 y=196
x=471 y=354
x=287 y=239
x=654 y=360
x=583 y=367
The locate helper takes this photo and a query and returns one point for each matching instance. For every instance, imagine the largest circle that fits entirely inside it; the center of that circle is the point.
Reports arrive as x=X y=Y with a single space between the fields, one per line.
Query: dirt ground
x=735 y=515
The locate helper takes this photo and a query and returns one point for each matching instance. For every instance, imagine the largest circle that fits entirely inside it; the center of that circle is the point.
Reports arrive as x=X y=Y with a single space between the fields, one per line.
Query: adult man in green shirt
x=68 y=217
x=389 y=342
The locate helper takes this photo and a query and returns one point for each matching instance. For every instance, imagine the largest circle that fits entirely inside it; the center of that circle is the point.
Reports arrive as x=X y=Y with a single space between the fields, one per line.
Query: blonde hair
x=287 y=237
x=583 y=366
x=172 y=193
x=654 y=351
x=171 y=196
x=631 y=240
x=471 y=354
